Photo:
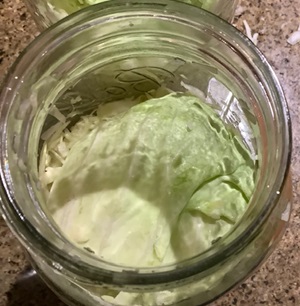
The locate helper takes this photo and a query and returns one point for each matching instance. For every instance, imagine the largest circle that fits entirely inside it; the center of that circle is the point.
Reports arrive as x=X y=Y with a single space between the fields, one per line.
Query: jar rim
x=127 y=276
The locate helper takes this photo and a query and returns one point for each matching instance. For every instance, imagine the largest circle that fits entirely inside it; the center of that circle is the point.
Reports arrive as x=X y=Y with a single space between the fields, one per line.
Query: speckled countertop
x=278 y=280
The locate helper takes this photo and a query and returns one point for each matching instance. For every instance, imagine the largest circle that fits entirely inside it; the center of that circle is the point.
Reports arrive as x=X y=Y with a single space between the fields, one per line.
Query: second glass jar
x=48 y=12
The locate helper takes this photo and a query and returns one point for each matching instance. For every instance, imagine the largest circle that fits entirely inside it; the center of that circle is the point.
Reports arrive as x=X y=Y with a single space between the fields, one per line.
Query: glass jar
x=116 y=50
x=47 y=12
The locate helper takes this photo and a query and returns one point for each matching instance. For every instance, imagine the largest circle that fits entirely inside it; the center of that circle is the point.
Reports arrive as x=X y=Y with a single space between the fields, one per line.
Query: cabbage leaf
x=147 y=183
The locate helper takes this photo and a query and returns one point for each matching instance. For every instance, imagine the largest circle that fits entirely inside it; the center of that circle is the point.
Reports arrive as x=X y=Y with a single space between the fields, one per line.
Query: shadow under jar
x=122 y=50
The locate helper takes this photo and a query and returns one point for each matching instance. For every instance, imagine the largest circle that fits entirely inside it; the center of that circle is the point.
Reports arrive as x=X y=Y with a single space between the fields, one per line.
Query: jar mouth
x=80 y=262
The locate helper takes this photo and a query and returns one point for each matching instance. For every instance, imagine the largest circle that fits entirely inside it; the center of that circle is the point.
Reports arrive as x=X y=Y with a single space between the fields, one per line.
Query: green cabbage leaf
x=147 y=183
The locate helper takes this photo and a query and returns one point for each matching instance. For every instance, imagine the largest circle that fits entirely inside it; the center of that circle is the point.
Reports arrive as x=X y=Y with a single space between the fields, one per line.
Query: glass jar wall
x=163 y=43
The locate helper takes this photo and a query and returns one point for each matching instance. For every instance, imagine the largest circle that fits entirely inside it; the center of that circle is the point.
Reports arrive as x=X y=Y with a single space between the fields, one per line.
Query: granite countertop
x=277 y=282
